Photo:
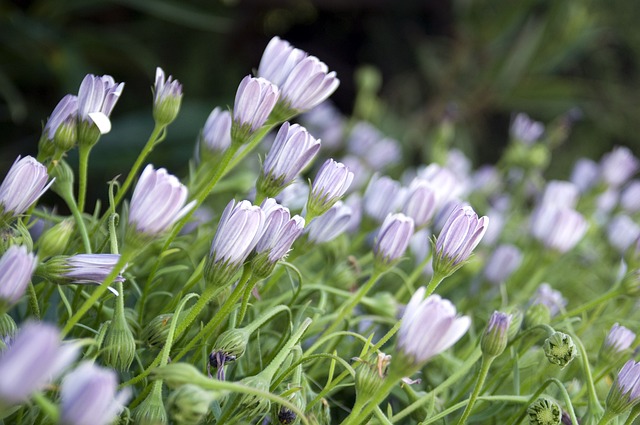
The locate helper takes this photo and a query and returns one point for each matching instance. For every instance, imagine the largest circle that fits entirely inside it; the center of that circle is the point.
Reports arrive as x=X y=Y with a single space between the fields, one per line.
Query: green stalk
x=83 y=153
x=481 y=377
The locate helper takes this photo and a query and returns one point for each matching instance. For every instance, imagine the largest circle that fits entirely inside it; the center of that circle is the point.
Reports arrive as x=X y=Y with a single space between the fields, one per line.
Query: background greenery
x=474 y=61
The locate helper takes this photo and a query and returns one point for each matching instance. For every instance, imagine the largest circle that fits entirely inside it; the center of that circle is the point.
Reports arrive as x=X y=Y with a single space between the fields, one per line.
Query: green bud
x=63 y=185
x=494 y=338
x=156 y=332
x=370 y=375
x=537 y=314
x=189 y=404
x=88 y=133
x=252 y=405
x=66 y=136
x=46 y=148
x=560 y=349
x=151 y=411
x=544 y=412
x=382 y=304
x=8 y=329
x=287 y=416
x=119 y=346
x=177 y=374
x=166 y=110
x=539 y=156
x=516 y=323
x=55 y=240
x=229 y=347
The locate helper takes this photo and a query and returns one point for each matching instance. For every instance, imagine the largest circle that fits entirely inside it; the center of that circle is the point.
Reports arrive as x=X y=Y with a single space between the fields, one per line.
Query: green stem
x=48 y=408
x=592 y=304
x=436 y=279
x=482 y=375
x=77 y=215
x=154 y=138
x=33 y=301
x=269 y=371
x=83 y=153
x=606 y=418
x=595 y=409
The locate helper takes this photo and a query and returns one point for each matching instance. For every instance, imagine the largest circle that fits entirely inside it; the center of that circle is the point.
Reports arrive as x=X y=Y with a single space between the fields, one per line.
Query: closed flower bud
x=544 y=412
x=119 y=345
x=516 y=323
x=154 y=334
x=287 y=416
x=329 y=225
x=331 y=182
x=254 y=102
x=461 y=233
x=381 y=197
x=557 y=227
x=63 y=179
x=562 y=194
x=16 y=267
x=622 y=233
x=189 y=404
x=420 y=202
x=215 y=137
x=167 y=96
x=496 y=335
x=625 y=391
x=177 y=374
x=537 y=314
x=503 y=262
x=83 y=269
x=55 y=240
x=96 y=99
x=585 y=174
x=617 y=166
x=151 y=410
x=239 y=230
x=370 y=375
x=525 y=130
x=254 y=406
x=630 y=197
x=616 y=344
x=35 y=358
x=229 y=347
x=8 y=329
x=551 y=298
x=157 y=203
x=61 y=127
x=293 y=149
x=88 y=396
x=392 y=239
x=560 y=349
x=25 y=182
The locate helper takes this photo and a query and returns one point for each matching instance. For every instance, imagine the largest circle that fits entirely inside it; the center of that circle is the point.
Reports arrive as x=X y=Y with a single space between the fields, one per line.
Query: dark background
x=475 y=61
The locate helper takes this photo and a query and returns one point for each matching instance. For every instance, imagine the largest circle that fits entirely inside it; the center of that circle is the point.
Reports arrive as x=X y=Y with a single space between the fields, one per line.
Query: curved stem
x=595 y=409
x=482 y=375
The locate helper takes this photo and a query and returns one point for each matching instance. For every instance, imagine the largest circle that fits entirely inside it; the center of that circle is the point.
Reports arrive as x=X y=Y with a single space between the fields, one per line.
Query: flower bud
x=55 y=240
x=544 y=412
x=167 y=96
x=188 y=404
x=559 y=349
x=252 y=405
x=254 y=102
x=96 y=99
x=392 y=239
x=25 y=182
x=215 y=137
x=495 y=337
x=151 y=411
x=617 y=342
x=382 y=197
x=420 y=202
x=177 y=374
x=155 y=333
x=625 y=391
x=329 y=225
x=537 y=314
x=370 y=375
x=119 y=345
x=60 y=128
x=617 y=166
x=83 y=269
x=287 y=416
x=331 y=182
x=16 y=267
x=503 y=262
x=516 y=323
x=559 y=228
x=525 y=130
x=229 y=346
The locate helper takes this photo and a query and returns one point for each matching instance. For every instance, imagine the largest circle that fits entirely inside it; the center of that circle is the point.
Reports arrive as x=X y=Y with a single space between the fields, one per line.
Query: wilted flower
x=239 y=230
x=331 y=182
x=557 y=228
x=526 y=130
x=255 y=100
x=293 y=149
x=16 y=267
x=34 y=358
x=216 y=134
x=618 y=340
x=420 y=202
x=158 y=201
x=429 y=326
x=502 y=263
x=167 y=96
x=25 y=182
x=392 y=239
x=88 y=396
x=381 y=197
x=460 y=235
x=617 y=166
x=96 y=98
x=625 y=391
x=329 y=225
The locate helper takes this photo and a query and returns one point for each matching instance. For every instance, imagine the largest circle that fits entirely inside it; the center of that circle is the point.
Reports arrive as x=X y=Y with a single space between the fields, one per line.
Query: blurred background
x=404 y=65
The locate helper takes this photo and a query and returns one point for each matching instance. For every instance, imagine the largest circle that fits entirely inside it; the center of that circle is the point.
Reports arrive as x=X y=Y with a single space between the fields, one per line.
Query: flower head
x=550 y=298
x=16 y=267
x=625 y=391
x=496 y=335
x=158 y=201
x=89 y=396
x=25 y=182
x=420 y=202
x=381 y=197
x=34 y=358
x=618 y=341
x=90 y=269
x=255 y=100
x=331 y=224
x=167 y=96
x=461 y=233
x=216 y=134
x=617 y=166
x=503 y=262
x=393 y=238
x=429 y=326
x=526 y=130
x=558 y=228
x=61 y=125
x=331 y=182
x=96 y=99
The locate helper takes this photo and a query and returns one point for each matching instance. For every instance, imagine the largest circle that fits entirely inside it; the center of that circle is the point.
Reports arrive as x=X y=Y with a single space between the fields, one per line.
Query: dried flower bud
x=560 y=349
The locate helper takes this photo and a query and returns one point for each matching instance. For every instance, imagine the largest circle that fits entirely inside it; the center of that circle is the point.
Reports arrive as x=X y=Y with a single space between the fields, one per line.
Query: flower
x=557 y=227
x=461 y=233
x=526 y=130
x=304 y=80
x=280 y=231
x=495 y=337
x=429 y=326
x=61 y=125
x=255 y=100
x=25 y=182
x=544 y=412
x=367 y=142
x=382 y=196
x=585 y=174
x=216 y=134
x=617 y=166
x=625 y=391
x=550 y=298
x=16 y=267
x=34 y=358
x=293 y=149
x=331 y=182
x=96 y=99
x=158 y=201
x=91 y=269
x=618 y=340
x=420 y=202
x=393 y=238
x=88 y=396
x=561 y=194
x=167 y=96
x=503 y=262
x=630 y=197
x=239 y=230
x=622 y=232
x=331 y=224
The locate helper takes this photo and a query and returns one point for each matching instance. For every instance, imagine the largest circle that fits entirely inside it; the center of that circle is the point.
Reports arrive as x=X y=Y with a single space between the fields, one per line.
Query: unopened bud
x=177 y=374
x=63 y=185
x=516 y=323
x=119 y=346
x=537 y=314
x=229 y=347
x=494 y=339
x=189 y=404
x=255 y=406
x=55 y=240
x=544 y=412
x=370 y=375
x=151 y=411
x=560 y=349
x=8 y=329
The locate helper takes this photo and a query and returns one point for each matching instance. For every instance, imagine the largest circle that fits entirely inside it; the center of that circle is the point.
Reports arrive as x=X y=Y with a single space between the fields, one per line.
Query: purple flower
x=368 y=143
x=526 y=130
x=630 y=197
x=622 y=232
x=461 y=233
x=327 y=123
x=293 y=149
x=561 y=194
x=331 y=182
x=34 y=358
x=295 y=195
x=429 y=326
x=329 y=225
x=96 y=98
x=304 y=80
x=167 y=95
x=502 y=263
x=557 y=228
x=585 y=174
x=420 y=202
x=65 y=112
x=239 y=230
x=216 y=134
x=625 y=391
x=158 y=201
x=280 y=230
x=88 y=396
x=255 y=100
x=619 y=338
x=25 y=182
x=443 y=181
x=495 y=337
x=381 y=197
x=549 y=297
x=618 y=166
x=393 y=238
x=90 y=269
x=16 y=267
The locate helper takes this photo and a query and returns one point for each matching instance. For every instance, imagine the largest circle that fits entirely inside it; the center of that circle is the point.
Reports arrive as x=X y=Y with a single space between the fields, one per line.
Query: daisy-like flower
x=96 y=99
x=25 y=182
x=167 y=96
x=393 y=239
x=254 y=102
x=16 y=267
x=625 y=391
x=331 y=182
